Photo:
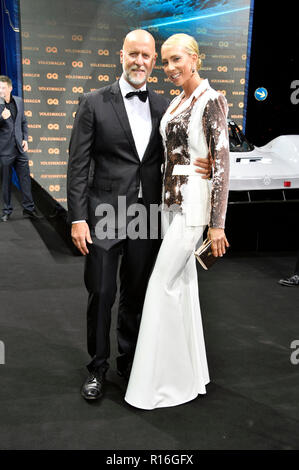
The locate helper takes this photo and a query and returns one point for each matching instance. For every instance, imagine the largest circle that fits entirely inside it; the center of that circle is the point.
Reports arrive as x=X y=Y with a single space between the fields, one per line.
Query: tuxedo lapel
x=156 y=114
x=120 y=110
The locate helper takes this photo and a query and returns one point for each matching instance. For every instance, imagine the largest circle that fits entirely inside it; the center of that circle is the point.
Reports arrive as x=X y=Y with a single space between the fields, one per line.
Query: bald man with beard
x=116 y=150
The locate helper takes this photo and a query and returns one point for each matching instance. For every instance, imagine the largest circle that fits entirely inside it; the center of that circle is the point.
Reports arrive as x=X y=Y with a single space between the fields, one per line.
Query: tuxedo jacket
x=103 y=160
x=13 y=133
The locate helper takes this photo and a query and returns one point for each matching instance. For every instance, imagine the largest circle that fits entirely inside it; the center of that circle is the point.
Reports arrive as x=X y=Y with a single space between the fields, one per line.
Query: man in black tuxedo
x=116 y=150
x=13 y=148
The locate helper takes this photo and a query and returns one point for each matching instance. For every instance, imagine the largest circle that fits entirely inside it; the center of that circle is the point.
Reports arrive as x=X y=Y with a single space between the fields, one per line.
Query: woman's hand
x=219 y=241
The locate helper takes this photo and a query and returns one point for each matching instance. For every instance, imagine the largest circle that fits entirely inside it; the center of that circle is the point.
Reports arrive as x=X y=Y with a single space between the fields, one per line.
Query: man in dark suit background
x=116 y=134
x=13 y=148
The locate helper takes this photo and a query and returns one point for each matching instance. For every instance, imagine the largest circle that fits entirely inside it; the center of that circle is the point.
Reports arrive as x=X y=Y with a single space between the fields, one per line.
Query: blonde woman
x=170 y=365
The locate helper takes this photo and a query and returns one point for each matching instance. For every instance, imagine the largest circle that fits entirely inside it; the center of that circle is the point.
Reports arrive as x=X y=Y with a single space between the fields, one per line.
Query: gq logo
x=28 y=113
x=77 y=37
x=30 y=138
x=103 y=78
x=222 y=68
x=27 y=87
x=53 y=127
x=78 y=89
x=52 y=101
x=223 y=43
x=174 y=92
x=103 y=52
x=52 y=50
x=52 y=76
x=26 y=61
x=78 y=63
x=152 y=79
x=54 y=187
x=30 y=162
x=102 y=26
x=2 y=353
x=53 y=151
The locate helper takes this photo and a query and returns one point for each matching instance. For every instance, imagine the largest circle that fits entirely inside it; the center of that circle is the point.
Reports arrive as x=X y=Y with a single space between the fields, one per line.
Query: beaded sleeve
x=215 y=128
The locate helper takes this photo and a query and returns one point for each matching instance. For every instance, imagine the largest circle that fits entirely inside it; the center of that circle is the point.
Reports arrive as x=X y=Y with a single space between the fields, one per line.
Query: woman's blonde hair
x=186 y=41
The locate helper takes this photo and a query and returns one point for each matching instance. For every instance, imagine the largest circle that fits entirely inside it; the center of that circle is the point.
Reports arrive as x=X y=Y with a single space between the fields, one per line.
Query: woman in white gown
x=170 y=365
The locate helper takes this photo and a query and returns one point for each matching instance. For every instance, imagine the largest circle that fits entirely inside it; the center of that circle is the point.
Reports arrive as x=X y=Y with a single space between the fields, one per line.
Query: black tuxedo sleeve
x=80 y=147
x=24 y=126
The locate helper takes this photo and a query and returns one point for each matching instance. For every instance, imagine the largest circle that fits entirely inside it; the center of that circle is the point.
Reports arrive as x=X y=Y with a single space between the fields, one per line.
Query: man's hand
x=81 y=233
x=6 y=113
x=25 y=145
x=219 y=241
x=204 y=166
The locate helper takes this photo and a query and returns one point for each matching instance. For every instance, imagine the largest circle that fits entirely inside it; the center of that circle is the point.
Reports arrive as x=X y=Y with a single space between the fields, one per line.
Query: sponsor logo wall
x=73 y=47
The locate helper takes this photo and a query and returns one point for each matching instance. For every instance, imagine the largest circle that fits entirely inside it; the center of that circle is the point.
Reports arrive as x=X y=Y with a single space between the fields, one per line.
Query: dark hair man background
x=13 y=148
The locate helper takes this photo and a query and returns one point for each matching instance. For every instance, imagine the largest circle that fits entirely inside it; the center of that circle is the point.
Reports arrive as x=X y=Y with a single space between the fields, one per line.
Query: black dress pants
x=20 y=163
x=137 y=260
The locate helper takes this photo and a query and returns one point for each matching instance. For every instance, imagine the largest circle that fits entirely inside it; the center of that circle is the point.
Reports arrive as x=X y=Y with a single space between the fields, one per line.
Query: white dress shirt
x=139 y=116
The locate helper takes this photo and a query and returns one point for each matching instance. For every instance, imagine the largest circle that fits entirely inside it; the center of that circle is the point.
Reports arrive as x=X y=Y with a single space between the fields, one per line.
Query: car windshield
x=237 y=140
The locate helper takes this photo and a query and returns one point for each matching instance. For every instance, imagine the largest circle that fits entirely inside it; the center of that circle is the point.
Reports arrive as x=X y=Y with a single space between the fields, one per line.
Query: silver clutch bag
x=204 y=255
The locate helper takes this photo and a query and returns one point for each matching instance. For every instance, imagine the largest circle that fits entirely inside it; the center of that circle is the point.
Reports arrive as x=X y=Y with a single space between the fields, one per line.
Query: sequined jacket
x=189 y=132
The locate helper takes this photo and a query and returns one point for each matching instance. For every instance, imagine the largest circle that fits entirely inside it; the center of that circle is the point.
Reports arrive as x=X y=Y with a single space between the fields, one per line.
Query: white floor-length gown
x=170 y=364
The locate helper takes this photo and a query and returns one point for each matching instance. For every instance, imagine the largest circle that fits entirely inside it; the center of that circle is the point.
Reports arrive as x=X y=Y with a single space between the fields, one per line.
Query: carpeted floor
x=249 y=323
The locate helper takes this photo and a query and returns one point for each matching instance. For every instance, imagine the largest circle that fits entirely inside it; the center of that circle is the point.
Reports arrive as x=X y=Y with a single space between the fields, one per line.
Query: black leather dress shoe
x=290 y=281
x=5 y=217
x=92 y=389
x=32 y=214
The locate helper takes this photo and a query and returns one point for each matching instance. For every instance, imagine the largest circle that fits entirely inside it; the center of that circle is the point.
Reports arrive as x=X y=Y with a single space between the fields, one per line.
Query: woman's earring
x=193 y=69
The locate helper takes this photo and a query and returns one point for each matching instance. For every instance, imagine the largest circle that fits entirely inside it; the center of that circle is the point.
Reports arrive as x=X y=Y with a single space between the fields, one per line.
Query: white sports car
x=275 y=166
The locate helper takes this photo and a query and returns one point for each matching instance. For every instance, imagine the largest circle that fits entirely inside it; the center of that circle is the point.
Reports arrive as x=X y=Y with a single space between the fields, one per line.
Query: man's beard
x=130 y=79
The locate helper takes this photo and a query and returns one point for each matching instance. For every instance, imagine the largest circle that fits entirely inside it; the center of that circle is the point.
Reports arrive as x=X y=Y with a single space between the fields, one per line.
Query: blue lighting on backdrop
x=201 y=17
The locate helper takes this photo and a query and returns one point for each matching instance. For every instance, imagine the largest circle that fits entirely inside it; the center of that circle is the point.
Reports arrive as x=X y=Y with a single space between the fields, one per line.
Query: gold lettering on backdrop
x=52 y=50
x=56 y=58
x=52 y=76
x=104 y=78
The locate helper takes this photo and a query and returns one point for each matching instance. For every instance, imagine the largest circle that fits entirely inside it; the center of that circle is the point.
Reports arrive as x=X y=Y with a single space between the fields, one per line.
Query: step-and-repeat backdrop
x=70 y=47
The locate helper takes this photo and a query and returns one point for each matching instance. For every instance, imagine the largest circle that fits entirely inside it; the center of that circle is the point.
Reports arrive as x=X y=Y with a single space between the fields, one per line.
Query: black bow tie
x=142 y=95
